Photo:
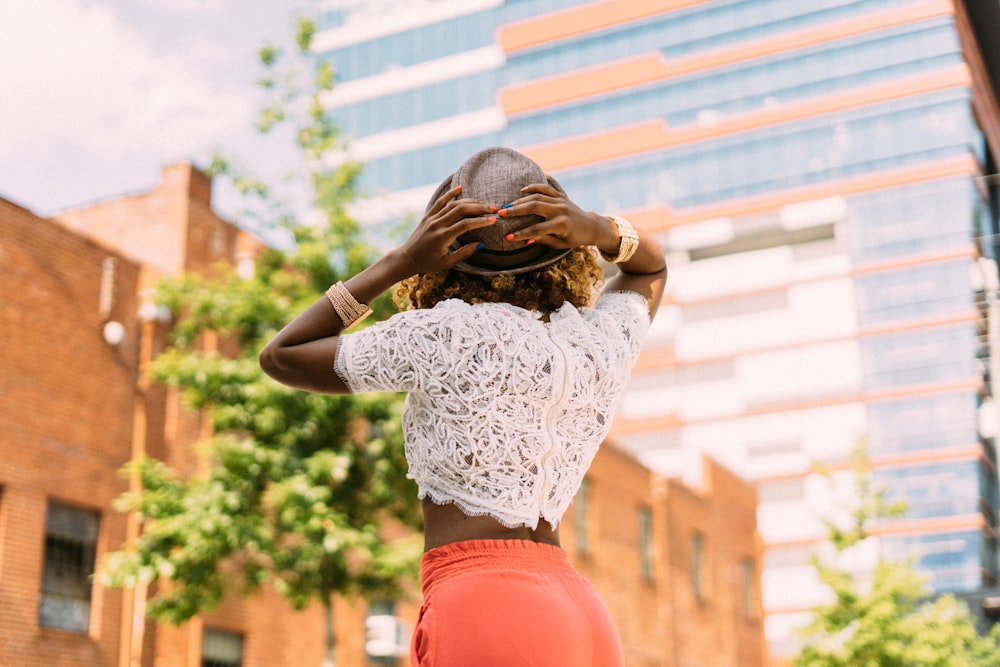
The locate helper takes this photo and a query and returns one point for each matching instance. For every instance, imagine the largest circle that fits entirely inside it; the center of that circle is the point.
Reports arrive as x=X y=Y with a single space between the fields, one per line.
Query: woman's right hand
x=429 y=246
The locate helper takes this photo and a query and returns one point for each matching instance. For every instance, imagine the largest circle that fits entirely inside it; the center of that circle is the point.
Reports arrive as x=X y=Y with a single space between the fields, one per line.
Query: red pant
x=500 y=603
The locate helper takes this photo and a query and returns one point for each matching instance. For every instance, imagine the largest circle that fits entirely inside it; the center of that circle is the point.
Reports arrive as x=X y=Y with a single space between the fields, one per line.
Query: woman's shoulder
x=616 y=316
x=610 y=304
x=623 y=300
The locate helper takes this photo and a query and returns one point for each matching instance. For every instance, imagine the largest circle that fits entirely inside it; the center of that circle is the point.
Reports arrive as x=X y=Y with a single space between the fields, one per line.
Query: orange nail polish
x=503 y=212
x=493 y=209
x=492 y=219
x=509 y=237
x=529 y=241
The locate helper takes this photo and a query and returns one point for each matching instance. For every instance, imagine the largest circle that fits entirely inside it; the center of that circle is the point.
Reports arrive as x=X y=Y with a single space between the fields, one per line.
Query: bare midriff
x=444 y=524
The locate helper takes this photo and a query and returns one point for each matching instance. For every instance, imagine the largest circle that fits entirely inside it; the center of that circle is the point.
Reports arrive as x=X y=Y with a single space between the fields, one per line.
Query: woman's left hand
x=430 y=246
x=564 y=224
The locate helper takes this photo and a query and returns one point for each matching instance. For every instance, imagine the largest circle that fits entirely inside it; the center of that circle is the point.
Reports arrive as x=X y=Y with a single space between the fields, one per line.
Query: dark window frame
x=72 y=534
x=215 y=660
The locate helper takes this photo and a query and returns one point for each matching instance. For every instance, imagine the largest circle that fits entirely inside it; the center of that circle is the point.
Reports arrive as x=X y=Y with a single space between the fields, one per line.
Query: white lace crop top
x=505 y=412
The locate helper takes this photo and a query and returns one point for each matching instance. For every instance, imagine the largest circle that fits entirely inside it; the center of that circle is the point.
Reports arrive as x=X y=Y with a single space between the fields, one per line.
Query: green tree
x=296 y=486
x=891 y=621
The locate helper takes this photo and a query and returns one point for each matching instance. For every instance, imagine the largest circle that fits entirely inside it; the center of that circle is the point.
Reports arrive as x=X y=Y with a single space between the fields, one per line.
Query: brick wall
x=660 y=621
x=65 y=421
x=68 y=404
x=720 y=628
x=172 y=227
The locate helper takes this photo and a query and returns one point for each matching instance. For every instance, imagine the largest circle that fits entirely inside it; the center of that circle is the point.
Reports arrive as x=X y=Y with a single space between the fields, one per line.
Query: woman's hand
x=564 y=224
x=429 y=247
x=301 y=354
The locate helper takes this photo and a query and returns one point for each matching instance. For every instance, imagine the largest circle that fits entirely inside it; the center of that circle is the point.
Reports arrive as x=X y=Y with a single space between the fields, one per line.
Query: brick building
x=678 y=563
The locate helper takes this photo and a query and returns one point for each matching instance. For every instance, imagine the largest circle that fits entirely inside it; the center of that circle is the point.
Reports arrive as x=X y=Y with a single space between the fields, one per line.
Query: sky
x=96 y=96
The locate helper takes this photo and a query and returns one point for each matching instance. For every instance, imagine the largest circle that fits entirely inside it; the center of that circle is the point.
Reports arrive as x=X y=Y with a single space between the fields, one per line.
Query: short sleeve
x=384 y=356
x=625 y=316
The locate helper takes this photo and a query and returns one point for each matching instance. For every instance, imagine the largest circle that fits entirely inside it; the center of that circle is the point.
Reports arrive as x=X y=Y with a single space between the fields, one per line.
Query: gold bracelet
x=348 y=309
x=628 y=241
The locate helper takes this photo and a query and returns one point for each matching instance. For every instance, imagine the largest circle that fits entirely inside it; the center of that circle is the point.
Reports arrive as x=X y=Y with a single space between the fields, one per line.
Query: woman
x=513 y=374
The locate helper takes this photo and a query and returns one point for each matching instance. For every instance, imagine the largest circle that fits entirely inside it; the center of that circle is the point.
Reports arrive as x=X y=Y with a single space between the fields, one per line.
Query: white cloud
x=77 y=79
x=198 y=7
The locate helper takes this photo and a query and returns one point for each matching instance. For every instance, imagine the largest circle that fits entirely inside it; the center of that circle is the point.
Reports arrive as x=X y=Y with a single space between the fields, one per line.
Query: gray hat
x=495 y=176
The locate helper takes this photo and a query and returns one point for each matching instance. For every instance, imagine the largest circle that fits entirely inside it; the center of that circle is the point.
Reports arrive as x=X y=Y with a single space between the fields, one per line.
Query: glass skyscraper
x=821 y=175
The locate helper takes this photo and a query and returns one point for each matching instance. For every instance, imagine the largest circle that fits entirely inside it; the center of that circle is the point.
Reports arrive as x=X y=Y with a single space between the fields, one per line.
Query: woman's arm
x=568 y=226
x=302 y=354
x=645 y=272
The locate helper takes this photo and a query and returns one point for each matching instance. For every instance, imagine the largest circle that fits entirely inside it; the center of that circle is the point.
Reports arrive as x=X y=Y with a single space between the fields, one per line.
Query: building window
x=749 y=588
x=580 y=513
x=220 y=648
x=2 y=523
x=697 y=565
x=70 y=554
x=646 y=543
x=387 y=637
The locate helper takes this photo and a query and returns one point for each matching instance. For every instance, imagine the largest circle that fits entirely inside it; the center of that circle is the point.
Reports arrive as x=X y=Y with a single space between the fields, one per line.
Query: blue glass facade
x=687 y=32
x=953 y=560
x=817 y=149
x=928 y=218
x=916 y=219
x=922 y=423
x=757 y=84
x=411 y=47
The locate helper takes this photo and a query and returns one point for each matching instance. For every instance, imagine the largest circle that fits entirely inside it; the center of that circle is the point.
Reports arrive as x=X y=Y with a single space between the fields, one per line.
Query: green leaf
x=893 y=621
x=268 y=55
x=305 y=33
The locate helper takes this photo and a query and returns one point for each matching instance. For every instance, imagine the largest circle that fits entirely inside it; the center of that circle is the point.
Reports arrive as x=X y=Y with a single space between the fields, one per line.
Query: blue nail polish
x=507 y=205
x=480 y=246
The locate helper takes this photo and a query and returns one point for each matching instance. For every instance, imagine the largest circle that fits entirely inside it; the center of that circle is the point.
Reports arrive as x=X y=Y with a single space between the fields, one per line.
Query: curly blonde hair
x=575 y=278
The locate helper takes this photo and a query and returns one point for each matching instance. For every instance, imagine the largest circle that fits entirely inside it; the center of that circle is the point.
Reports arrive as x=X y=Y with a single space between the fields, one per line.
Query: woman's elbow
x=270 y=360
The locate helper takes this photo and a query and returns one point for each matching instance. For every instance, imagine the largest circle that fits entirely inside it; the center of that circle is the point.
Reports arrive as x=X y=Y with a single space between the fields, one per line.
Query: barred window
x=749 y=588
x=697 y=566
x=385 y=639
x=221 y=648
x=646 y=543
x=70 y=554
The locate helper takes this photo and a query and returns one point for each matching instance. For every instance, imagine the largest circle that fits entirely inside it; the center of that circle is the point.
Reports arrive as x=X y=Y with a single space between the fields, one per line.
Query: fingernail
x=510 y=237
x=492 y=219
x=529 y=241
x=458 y=187
x=502 y=212
x=493 y=209
x=507 y=205
x=480 y=246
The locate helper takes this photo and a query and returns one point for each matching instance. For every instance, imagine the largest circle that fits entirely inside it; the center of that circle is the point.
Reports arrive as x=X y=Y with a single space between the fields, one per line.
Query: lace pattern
x=505 y=412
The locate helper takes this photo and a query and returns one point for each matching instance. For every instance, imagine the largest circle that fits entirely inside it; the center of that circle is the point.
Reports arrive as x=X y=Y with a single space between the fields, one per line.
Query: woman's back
x=505 y=411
